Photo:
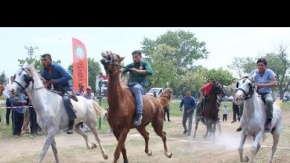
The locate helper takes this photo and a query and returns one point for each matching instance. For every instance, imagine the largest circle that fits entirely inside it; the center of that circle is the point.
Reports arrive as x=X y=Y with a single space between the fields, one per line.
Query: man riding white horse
x=265 y=79
x=57 y=76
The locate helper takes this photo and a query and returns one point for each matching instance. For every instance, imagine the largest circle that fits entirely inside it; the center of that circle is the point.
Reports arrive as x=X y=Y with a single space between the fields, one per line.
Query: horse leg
x=145 y=134
x=240 y=149
x=121 y=138
x=93 y=129
x=213 y=131
x=196 y=127
x=276 y=137
x=49 y=138
x=85 y=136
x=158 y=128
x=54 y=150
x=255 y=145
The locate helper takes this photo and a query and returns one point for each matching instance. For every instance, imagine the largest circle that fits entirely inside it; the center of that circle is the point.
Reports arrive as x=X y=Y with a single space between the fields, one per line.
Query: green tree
x=242 y=66
x=94 y=70
x=220 y=75
x=187 y=48
x=3 y=77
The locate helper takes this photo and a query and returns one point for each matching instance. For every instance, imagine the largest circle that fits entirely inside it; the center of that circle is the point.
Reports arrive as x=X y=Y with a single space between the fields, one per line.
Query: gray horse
x=51 y=114
x=254 y=118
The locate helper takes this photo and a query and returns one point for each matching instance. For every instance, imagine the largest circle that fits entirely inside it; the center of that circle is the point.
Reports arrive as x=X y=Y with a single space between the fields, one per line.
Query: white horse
x=51 y=113
x=254 y=118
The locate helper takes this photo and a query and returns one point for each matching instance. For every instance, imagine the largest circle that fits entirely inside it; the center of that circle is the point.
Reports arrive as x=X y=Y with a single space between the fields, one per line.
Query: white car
x=157 y=90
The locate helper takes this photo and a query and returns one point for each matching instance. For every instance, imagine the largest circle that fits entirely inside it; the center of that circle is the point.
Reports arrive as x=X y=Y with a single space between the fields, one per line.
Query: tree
x=243 y=65
x=220 y=75
x=94 y=70
x=3 y=78
x=187 y=48
x=171 y=56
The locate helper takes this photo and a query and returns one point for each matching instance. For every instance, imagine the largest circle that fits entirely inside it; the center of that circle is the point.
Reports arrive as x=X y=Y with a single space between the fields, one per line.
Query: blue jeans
x=137 y=89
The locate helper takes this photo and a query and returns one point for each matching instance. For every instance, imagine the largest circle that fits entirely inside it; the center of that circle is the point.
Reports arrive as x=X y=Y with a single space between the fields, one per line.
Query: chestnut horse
x=122 y=106
x=209 y=115
x=2 y=87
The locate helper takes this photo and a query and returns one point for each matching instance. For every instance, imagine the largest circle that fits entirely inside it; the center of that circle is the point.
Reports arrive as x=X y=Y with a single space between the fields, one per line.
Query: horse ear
x=121 y=59
x=25 y=65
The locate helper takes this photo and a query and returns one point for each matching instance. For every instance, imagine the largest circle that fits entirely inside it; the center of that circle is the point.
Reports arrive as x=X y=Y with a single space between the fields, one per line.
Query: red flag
x=80 y=64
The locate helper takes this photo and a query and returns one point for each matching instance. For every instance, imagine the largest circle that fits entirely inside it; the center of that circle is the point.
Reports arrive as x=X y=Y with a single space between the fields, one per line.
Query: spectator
x=236 y=113
x=80 y=91
x=8 y=103
x=89 y=94
x=18 y=102
x=225 y=113
x=189 y=105
x=166 y=112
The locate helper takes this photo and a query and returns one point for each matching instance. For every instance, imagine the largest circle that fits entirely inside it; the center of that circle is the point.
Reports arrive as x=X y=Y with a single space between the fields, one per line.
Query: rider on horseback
x=204 y=91
x=138 y=71
x=57 y=76
x=265 y=79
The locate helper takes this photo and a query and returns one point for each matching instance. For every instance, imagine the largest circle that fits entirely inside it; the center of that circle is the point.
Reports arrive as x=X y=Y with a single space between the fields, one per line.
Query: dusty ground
x=72 y=149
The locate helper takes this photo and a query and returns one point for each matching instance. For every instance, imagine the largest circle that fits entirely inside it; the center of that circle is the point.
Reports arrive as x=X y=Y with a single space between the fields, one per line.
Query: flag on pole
x=80 y=64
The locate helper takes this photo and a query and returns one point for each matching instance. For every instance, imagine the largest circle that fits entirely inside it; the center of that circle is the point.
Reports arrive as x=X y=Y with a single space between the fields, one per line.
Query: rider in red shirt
x=205 y=91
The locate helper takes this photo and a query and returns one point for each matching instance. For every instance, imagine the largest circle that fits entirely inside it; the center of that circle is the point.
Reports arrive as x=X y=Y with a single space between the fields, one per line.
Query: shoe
x=169 y=121
x=233 y=121
x=268 y=127
x=185 y=131
x=138 y=119
x=239 y=129
x=70 y=127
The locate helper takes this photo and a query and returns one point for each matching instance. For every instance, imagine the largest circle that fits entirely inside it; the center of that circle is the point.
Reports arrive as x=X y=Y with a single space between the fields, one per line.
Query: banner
x=80 y=64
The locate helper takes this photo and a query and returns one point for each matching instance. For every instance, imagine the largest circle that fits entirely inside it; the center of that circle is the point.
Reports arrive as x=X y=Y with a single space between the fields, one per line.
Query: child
x=225 y=113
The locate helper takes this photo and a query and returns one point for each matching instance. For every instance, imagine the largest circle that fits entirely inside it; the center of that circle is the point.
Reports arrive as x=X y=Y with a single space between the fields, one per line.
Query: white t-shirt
x=225 y=111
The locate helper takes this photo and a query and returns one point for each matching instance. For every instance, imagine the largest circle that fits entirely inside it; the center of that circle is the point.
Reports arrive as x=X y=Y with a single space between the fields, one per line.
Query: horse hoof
x=93 y=146
x=149 y=153
x=105 y=156
x=169 y=155
x=246 y=159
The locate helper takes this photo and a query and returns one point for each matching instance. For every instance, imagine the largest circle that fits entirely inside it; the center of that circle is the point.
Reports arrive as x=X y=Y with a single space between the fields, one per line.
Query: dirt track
x=72 y=148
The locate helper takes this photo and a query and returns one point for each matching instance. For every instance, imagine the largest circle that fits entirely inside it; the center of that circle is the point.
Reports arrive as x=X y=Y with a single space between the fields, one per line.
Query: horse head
x=111 y=62
x=217 y=89
x=245 y=88
x=23 y=79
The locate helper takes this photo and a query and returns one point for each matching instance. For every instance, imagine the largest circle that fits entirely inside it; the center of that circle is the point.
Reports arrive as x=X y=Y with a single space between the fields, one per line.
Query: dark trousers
x=236 y=114
x=69 y=107
x=32 y=120
x=166 y=112
x=225 y=117
x=8 y=111
x=17 y=122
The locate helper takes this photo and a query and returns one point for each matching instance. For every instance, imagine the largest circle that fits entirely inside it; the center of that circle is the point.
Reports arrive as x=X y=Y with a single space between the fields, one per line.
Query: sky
x=223 y=43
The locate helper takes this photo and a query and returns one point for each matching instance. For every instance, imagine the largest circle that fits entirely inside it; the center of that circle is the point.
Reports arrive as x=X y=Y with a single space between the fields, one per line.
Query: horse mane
x=166 y=96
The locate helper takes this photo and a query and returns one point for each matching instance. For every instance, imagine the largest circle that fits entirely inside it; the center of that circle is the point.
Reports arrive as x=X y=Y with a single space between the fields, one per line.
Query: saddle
x=63 y=91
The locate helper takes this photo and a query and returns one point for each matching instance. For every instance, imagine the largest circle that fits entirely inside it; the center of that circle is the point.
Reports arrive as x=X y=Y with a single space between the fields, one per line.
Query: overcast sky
x=223 y=43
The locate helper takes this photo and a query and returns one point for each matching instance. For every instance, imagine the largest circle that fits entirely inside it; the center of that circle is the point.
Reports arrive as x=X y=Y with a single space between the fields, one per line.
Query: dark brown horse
x=209 y=115
x=2 y=87
x=122 y=106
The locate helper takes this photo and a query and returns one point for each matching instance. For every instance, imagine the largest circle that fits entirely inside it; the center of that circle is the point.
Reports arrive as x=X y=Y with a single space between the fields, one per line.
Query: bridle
x=252 y=88
x=112 y=62
x=27 y=79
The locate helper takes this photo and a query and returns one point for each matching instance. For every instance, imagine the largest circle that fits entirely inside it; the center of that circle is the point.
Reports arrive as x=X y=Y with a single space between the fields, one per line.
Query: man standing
x=88 y=94
x=236 y=113
x=59 y=78
x=8 y=103
x=189 y=105
x=80 y=91
x=138 y=72
x=18 y=110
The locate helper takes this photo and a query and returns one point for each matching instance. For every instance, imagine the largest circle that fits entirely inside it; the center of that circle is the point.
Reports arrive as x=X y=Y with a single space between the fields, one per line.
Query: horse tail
x=165 y=97
x=278 y=103
x=99 y=110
